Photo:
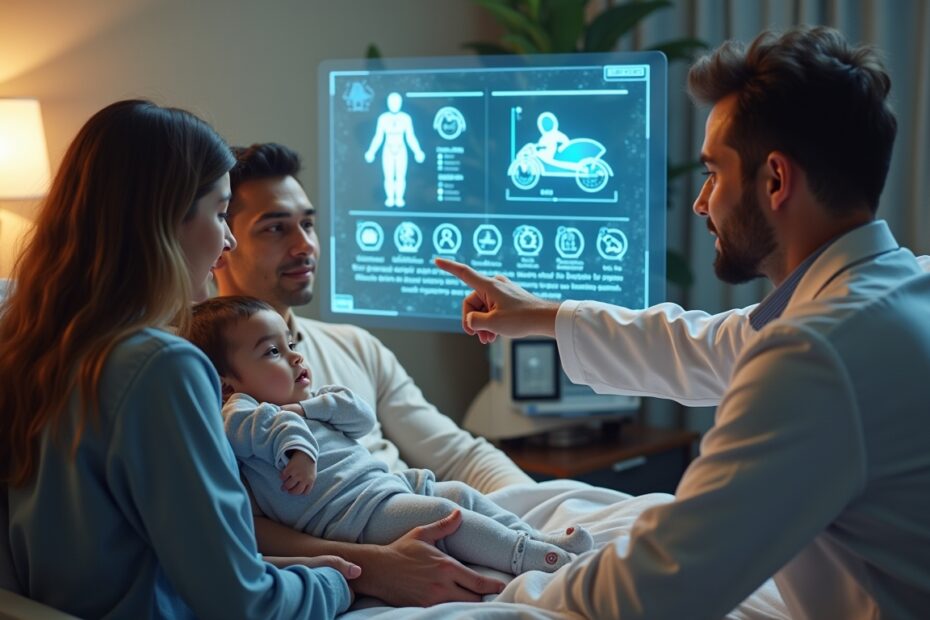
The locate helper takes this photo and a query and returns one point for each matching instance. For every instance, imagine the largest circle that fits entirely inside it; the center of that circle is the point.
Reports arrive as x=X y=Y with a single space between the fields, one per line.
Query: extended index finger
x=461 y=271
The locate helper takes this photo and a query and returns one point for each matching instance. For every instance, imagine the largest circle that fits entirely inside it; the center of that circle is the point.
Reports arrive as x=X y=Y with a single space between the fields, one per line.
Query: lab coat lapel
x=855 y=246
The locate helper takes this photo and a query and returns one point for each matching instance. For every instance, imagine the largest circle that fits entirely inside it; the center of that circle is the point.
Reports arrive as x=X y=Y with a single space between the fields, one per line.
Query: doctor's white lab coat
x=817 y=469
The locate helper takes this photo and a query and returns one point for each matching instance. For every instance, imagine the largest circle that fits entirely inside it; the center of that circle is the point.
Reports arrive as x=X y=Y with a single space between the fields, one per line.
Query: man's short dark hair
x=263 y=161
x=210 y=324
x=812 y=96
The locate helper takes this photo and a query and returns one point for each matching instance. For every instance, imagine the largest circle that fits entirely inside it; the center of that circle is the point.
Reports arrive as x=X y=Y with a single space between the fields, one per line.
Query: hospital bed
x=553 y=506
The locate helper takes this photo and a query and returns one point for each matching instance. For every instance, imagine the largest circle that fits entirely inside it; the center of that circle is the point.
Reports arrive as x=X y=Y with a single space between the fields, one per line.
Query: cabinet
x=631 y=458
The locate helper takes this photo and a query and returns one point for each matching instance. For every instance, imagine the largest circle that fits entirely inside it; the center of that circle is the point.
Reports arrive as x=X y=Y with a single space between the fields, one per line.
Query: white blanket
x=552 y=506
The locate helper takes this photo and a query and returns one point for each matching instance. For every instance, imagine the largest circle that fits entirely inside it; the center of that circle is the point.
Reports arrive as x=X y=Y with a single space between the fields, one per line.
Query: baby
x=297 y=448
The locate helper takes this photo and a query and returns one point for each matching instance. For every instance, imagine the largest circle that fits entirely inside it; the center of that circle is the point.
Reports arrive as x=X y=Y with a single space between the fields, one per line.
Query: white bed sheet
x=551 y=506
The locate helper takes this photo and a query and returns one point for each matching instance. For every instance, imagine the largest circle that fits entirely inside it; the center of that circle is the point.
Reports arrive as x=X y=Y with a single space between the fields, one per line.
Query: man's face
x=733 y=210
x=278 y=248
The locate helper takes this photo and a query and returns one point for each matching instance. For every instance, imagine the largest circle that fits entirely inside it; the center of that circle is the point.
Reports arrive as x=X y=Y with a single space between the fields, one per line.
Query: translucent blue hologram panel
x=550 y=170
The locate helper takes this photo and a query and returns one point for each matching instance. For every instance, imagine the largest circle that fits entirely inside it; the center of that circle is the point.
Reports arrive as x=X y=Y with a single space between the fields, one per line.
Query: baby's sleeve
x=266 y=431
x=339 y=407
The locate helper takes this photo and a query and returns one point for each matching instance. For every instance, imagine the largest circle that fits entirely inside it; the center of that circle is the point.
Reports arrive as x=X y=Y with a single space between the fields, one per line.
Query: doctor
x=818 y=467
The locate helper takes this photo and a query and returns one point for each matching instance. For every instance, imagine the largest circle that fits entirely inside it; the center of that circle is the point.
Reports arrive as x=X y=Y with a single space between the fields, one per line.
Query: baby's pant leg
x=479 y=540
x=400 y=513
x=470 y=499
x=572 y=539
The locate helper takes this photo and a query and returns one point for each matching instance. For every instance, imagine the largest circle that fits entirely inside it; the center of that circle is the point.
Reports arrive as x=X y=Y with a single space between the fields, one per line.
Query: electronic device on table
x=549 y=169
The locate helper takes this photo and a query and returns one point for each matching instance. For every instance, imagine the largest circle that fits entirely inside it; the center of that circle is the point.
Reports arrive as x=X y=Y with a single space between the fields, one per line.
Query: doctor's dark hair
x=812 y=96
x=211 y=321
x=263 y=161
x=105 y=260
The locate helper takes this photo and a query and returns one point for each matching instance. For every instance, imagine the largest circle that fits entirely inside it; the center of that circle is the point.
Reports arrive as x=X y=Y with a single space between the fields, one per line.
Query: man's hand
x=497 y=306
x=420 y=574
x=299 y=474
x=409 y=571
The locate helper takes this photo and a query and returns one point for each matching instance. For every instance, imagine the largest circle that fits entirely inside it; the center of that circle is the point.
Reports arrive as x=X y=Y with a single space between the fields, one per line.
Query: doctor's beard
x=745 y=242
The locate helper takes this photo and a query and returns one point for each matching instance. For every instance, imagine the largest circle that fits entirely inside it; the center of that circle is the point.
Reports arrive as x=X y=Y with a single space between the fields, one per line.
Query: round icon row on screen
x=488 y=240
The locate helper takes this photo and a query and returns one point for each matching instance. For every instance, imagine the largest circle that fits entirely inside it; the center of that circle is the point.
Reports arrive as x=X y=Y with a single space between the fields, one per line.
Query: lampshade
x=24 y=169
x=14 y=230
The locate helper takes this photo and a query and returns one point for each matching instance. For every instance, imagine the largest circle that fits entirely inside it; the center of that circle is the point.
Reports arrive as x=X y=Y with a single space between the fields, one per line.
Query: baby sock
x=574 y=539
x=529 y=554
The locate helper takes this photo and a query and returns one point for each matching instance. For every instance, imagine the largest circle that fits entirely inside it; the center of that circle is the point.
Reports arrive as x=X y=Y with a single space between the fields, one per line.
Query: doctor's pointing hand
x=497 y=306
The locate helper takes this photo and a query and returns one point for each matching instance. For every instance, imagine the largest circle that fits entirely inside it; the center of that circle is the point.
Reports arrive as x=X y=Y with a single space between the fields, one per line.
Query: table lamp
x=24 y=171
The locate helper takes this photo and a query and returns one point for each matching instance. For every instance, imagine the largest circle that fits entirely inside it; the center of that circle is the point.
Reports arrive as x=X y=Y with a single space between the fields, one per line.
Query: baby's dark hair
x=212 y=319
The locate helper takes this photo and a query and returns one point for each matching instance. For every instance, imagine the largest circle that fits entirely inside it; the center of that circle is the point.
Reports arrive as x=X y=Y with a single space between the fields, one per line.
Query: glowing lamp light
x=24 y=172
x=24 y=169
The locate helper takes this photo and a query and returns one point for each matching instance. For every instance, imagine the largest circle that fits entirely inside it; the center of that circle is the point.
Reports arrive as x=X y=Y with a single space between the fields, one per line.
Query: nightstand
x=630 y=458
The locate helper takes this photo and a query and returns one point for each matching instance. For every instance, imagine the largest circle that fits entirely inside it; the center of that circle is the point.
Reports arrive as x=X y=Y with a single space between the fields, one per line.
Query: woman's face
x=206 y=236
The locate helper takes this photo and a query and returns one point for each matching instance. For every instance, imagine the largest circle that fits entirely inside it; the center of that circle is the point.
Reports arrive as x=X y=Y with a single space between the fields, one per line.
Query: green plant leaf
x=532 y=9
x=519 y=43
x=677 y=270
x=607 y=28
x=489 y=49
x=680 y=49
x=516 y=22
x=372 y=52
x=564 y=22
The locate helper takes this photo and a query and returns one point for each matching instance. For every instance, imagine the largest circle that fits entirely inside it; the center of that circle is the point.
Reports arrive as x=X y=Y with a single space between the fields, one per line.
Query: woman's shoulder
x=155 y=356
x=150 y=343
x=152 y=368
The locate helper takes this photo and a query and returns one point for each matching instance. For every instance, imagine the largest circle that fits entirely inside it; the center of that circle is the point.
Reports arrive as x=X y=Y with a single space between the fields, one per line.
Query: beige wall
x=249 y=68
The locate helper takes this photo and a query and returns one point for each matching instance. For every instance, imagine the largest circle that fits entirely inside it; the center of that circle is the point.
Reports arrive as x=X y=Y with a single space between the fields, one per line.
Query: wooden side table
x=634 y=459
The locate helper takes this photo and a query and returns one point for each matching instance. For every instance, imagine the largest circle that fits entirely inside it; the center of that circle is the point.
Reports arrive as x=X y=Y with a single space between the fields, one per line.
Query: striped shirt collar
x=775 y=302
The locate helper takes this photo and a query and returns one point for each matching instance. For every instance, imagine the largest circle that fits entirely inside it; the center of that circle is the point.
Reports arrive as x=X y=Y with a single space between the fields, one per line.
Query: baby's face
x=261 y=353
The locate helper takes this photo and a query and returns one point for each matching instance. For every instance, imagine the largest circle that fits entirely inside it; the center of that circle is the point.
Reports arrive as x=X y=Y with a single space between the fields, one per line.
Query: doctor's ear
x=779 y=171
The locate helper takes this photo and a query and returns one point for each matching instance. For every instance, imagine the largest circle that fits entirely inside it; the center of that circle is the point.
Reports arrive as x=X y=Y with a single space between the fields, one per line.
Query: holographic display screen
x=547 y=169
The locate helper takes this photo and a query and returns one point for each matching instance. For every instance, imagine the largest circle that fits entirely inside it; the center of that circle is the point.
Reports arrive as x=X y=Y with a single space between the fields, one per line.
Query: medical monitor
x=548 y=169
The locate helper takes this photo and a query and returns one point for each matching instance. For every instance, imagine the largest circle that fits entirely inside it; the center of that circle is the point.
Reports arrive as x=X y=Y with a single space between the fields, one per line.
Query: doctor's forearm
x=543 y=319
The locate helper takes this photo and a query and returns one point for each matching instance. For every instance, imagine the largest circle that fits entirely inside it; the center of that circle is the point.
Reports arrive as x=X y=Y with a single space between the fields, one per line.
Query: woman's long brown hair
x=104 y=261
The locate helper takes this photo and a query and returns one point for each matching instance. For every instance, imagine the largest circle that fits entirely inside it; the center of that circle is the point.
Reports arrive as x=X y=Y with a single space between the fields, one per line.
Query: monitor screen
x=548 y=169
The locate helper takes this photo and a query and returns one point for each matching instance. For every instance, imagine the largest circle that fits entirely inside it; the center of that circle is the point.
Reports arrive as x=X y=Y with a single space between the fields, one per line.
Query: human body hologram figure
x=395 y=131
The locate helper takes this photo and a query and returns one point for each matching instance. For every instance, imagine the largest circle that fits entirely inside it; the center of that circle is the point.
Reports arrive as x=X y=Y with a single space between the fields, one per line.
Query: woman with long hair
x=120 y=495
